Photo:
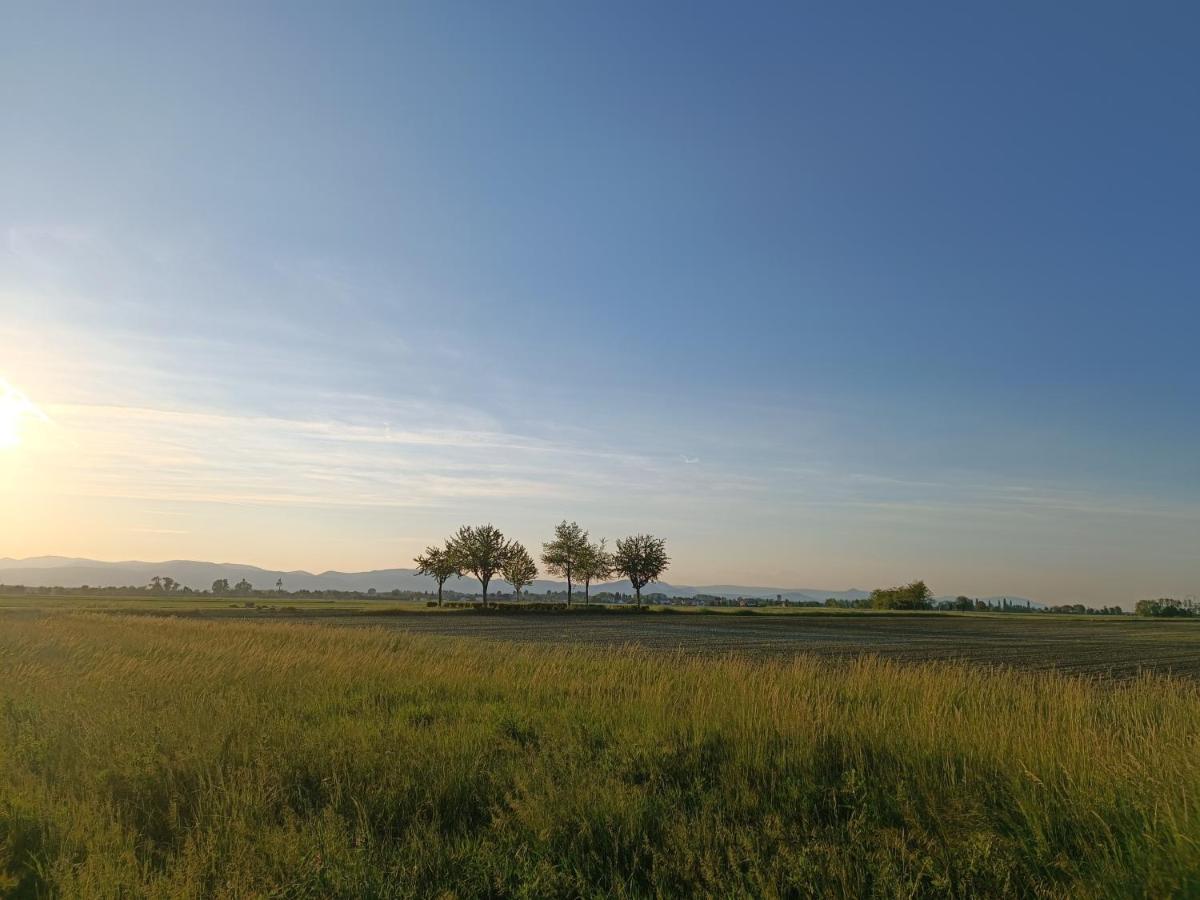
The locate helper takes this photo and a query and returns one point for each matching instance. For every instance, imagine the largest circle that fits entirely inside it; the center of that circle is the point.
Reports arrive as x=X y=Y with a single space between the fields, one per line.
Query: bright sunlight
x=15 y=410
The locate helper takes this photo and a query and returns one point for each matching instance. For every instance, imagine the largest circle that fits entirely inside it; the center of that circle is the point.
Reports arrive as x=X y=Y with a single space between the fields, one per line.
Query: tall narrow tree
x=563 y=554
x=519 y=569
x=595 y=566
x=642 y=559
x=437 y=563
x=479 y=550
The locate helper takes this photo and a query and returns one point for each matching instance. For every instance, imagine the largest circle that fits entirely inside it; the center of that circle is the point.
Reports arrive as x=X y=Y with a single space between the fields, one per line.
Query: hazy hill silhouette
x=61 y=571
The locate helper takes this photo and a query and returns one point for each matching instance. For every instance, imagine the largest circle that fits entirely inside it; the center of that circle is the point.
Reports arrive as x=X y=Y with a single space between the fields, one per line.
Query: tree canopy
x=479 y=550
x=910 y=596
x=1164 y=607
x=641 y=558
x=519 y=569
x=595 y=565
x=438 y=564
x=564 y=554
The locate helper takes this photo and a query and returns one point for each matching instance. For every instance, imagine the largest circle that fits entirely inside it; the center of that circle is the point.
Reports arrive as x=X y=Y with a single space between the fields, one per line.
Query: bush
x=1162 y=608
x=911 y=596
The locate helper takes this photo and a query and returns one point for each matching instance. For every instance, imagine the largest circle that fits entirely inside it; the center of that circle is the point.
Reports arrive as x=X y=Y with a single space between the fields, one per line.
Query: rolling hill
x=60 y=571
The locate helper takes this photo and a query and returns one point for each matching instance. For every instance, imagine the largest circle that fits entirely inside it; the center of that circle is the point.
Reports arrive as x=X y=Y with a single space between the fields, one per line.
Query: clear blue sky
x=825 y=294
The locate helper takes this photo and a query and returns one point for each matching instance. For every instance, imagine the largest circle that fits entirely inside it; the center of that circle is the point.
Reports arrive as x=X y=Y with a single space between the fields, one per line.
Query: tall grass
x=169 y=758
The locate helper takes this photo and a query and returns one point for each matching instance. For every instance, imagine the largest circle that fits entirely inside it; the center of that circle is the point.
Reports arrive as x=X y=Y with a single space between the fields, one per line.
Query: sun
x=15 y=410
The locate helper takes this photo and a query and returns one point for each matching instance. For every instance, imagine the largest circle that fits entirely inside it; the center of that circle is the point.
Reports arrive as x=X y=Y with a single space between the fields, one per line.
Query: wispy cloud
x=146 y=453
x=215 y=406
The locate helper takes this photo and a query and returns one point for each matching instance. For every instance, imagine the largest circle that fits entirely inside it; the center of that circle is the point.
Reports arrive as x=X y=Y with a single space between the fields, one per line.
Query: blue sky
x=825 y=295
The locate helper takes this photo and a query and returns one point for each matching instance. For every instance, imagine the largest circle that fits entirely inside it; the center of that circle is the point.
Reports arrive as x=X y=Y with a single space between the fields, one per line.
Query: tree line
x=1167 y=608
x=483 y=552
x=917 y=595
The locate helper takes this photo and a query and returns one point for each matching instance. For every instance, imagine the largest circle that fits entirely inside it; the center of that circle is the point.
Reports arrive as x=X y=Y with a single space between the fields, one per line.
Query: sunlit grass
x=165 y=757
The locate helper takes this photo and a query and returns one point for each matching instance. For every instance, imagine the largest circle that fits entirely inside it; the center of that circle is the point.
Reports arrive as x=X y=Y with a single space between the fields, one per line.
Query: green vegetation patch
x=144 y=756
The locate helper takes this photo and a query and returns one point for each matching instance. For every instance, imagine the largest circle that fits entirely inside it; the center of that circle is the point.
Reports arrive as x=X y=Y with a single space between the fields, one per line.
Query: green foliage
x=155 y=757
x=911 y=596
x=519 y=569
x=1164 y=607
x=564 y=555
x=641 y=558
x=596 y=564
x=439 y=564
x=480 y=550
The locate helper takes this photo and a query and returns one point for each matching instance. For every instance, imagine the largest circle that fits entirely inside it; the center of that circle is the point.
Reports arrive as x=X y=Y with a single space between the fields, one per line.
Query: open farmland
x=1027 y=641
x=170 y=757
x=1109 y=646
x=1104 y=646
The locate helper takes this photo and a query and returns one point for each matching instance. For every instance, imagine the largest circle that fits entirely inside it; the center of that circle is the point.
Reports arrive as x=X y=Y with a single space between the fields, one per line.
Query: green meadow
x=171 y=757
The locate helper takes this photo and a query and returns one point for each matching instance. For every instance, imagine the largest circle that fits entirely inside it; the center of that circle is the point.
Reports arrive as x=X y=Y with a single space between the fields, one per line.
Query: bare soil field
x=1116 y=647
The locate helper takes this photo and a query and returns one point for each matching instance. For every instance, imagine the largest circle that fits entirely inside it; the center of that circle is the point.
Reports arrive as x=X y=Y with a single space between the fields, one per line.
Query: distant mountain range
x=61 y=571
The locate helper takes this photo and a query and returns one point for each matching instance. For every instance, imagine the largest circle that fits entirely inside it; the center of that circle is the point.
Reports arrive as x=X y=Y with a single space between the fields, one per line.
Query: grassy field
x=1122 y=646
x=168 y=757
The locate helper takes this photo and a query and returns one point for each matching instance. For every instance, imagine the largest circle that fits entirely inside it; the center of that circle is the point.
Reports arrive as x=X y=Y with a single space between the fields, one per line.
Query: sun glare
x=16 y=410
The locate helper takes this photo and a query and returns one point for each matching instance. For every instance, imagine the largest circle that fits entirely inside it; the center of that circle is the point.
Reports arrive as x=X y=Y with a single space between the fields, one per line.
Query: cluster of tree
x=1078 y=609
x=740 y=601
x=963 y=603
x=852 y=603
x=221 y=588
x=909 y=596
x=483 y=552
x=918 y=596
x=83 y=590
x=1166 y=607
x=165 y=584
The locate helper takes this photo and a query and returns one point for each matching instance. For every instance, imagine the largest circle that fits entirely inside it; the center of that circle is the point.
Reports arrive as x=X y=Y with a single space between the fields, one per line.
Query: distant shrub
x=911 y=596
x=1164 y=607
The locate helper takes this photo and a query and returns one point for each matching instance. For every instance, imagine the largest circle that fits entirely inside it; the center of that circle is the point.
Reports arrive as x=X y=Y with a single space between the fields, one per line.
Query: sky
x=826 y=295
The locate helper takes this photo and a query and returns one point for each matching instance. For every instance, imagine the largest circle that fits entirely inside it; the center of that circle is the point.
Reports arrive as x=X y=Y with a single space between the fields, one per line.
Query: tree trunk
x=440 y=583
x=587 y=593
x=485 y=584
x=568 y=590
x=639 y=596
